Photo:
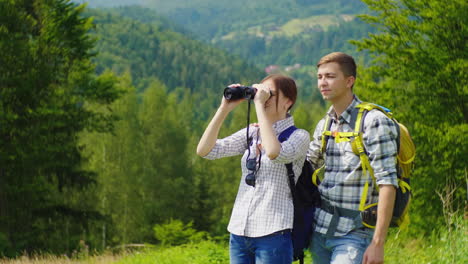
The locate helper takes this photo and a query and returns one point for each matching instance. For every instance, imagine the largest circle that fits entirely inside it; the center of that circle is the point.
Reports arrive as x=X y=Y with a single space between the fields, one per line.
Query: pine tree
x=47 y=82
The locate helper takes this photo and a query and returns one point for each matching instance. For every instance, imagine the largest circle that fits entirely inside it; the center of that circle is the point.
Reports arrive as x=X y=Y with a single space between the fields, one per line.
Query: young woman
x=262 y=217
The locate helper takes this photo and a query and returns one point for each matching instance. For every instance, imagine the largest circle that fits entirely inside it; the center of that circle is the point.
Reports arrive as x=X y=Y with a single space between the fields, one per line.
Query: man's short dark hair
x=346 y=62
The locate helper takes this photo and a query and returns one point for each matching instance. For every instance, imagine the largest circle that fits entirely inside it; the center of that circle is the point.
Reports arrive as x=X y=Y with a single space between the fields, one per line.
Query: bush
x=205 y=252
x=175 y=232
x=5 y=246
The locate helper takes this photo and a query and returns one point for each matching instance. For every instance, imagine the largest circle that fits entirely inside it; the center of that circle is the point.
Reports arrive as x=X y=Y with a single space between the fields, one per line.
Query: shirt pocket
x=350 y=159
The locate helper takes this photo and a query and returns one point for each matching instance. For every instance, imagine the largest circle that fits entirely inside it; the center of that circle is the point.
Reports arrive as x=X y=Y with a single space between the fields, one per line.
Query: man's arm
x=314 y=154
x=375 y=252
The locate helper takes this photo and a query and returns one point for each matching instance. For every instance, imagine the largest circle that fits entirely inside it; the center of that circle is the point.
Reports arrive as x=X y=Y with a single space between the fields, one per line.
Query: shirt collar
x=281 y=125
x=346 y=115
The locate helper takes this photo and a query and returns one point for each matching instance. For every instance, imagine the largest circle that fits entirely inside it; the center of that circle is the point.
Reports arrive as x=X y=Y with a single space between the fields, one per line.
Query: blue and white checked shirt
x=343 y=181
x=267 y=207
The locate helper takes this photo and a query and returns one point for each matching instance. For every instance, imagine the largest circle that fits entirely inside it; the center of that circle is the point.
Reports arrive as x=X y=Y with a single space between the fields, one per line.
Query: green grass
x=200 y=253
x=206 y=252
x=440 y=248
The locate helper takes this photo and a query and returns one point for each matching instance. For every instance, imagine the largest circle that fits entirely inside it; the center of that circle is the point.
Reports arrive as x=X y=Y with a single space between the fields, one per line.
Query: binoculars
x=239 y=92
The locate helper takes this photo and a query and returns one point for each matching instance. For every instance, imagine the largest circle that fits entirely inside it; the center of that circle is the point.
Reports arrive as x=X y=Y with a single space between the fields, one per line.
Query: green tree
x=167 y=172
x=47 y=82
x=420 y=69
x=115 y=157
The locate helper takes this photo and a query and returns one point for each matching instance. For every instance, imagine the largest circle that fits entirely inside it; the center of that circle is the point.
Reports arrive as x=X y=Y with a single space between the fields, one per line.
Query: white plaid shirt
x=267 y=207
x=343 y=181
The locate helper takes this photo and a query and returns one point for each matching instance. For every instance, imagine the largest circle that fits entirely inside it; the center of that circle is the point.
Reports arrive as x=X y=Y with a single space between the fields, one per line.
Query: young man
x=340 y=237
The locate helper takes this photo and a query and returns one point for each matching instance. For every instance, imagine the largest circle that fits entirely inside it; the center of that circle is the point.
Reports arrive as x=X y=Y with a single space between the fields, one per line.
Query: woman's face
x=272 y=109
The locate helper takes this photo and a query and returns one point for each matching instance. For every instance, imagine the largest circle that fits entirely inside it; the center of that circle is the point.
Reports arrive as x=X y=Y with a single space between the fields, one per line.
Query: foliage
x=420 y=70
x=147 y=51
x=47 y=82
x=79 y=161
x=301 y=36
x=439 y=247
x=210 y=18
x=175 y=232
x=205 y=252
x=107 y=258
x=266 y=47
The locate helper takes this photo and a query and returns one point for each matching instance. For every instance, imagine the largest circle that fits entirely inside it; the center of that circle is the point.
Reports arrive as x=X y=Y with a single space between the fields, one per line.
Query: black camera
x=239 y=92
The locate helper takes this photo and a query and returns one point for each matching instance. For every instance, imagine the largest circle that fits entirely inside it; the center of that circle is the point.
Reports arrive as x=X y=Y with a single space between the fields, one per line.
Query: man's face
x=332 y=83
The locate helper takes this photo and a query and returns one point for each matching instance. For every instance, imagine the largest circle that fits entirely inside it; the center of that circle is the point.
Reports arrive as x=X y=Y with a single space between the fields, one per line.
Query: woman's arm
x=208 y=140
x=269 y=141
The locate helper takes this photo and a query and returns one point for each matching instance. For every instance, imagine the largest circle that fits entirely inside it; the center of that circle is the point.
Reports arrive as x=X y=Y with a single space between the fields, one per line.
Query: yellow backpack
x=405 y=163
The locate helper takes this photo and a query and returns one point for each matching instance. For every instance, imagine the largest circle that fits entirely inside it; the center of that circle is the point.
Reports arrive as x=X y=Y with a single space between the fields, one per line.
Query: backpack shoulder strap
x=292 y=183
x=283 y=136
x=326 y=133
x=369 y=106
x=358 y=143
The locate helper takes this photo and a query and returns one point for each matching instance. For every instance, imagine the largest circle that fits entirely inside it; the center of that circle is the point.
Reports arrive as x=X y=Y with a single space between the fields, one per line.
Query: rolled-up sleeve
x=380 y=137
x=314 y=153
x=294 y=148
x=232 y=145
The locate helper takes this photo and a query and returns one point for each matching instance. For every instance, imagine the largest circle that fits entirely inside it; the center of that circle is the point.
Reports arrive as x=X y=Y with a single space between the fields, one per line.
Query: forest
x=102 y=107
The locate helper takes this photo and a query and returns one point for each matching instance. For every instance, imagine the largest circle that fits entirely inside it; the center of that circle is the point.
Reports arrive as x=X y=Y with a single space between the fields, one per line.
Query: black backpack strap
x=292 y=186
x=298 y=253
x=289 y=167
x=292 y=182
x=324 y=137
x=354 y=114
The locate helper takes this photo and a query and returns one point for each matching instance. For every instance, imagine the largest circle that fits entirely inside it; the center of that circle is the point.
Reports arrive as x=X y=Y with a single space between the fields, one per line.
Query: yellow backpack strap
x=318 y=173
x=326 y=133
x=404 y=186
x=357 y=124
x=367 y=170
x=358 y=148
x=343 y=136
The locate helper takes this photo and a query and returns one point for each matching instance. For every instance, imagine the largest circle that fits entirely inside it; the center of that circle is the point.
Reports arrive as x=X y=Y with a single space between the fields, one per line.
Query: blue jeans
x=347 y=249
x=271 y=249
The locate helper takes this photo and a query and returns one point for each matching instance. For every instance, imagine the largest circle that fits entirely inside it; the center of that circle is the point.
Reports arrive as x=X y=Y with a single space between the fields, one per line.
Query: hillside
x=146 y=44
x=264 y=33
x=155 y=51
x=216 y=18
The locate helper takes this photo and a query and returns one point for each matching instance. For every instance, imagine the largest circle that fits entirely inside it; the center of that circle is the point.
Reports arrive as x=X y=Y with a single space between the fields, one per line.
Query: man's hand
x=374 y=254
x=375 y=251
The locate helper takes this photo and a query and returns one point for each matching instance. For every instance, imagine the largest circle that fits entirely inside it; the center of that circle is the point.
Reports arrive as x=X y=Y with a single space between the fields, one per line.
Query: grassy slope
x=444 y=247
x=293 y=27
x=441 y=248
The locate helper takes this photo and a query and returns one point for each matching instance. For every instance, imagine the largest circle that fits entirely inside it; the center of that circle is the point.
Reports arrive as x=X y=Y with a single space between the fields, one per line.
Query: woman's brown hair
x=284 y=84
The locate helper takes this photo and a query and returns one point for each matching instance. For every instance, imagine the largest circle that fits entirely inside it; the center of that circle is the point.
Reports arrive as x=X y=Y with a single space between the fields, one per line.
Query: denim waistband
x=281 y=232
